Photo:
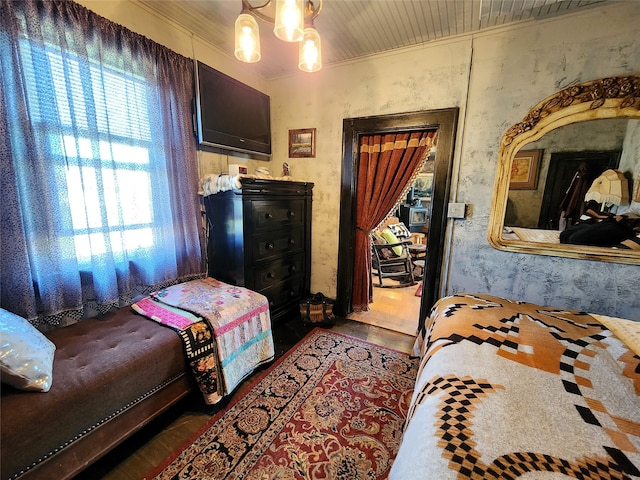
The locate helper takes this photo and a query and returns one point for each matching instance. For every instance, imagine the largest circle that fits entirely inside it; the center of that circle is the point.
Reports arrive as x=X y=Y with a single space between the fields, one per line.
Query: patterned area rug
x=333 y=407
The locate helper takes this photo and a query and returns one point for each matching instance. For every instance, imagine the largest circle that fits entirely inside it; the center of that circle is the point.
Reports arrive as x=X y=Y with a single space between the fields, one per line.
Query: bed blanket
x=226 y=330
x=509 y=390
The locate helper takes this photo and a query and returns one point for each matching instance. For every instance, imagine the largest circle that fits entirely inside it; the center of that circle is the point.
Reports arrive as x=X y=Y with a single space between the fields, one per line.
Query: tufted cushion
x=26 y=355
x=103 y=367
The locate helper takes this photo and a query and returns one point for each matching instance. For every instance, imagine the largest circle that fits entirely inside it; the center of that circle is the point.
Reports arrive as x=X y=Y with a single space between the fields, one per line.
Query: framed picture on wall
x=524 y=170
x=302 y=143
x=423 y=186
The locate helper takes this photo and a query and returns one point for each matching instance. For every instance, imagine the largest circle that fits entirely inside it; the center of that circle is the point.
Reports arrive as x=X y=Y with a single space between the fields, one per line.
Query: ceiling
x=351 y=29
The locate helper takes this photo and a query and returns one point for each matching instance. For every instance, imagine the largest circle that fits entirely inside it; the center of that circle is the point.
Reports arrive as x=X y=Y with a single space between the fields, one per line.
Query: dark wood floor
x=142 y=452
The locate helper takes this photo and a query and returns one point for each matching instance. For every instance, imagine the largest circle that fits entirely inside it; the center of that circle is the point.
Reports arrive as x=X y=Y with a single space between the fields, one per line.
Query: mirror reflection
x=568 y=181
x=565 y=163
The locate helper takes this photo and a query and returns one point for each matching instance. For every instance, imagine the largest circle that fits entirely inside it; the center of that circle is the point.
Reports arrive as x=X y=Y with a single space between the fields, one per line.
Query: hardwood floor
x=148 y=448
x=395 y=309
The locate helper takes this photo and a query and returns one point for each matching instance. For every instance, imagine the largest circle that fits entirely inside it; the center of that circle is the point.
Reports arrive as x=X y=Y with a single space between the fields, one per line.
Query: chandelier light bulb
x=289 y=20
x=310 y=54
x=247 y=39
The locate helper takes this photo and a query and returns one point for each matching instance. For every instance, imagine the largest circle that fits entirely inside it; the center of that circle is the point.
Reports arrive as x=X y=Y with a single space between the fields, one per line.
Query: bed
x=537 y=235
x=508 y=389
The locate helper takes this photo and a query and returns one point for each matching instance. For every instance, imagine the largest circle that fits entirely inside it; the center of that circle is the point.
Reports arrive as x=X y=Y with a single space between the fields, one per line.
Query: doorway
x=395 y=309
x=563 y=167
x=444 y=121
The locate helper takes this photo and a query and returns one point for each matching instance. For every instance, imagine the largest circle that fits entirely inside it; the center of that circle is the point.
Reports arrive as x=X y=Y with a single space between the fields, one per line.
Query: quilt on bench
x=226 y=330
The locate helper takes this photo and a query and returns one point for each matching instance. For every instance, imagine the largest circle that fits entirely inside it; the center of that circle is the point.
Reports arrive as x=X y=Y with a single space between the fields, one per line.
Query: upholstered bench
x=111 y=376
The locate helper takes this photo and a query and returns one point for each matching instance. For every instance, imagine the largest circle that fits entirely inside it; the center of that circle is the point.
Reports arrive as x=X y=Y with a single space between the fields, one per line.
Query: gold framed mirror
x=599 y=118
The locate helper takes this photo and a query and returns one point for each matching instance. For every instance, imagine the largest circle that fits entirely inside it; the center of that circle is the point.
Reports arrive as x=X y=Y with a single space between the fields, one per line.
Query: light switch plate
x=456 y=210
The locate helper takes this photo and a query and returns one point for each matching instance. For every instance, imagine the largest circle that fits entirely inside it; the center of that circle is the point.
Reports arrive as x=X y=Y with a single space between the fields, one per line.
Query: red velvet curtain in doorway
x=387 y=165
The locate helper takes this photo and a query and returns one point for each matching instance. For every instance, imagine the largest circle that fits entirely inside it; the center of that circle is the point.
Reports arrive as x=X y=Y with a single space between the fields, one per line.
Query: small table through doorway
x=418 y=254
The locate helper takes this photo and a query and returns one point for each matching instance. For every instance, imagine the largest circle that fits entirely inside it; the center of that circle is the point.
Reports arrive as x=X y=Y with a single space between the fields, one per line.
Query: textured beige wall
x=429 y=77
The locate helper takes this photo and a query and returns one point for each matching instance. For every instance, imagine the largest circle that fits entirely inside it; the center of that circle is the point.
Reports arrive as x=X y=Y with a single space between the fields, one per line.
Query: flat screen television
x=231 y=115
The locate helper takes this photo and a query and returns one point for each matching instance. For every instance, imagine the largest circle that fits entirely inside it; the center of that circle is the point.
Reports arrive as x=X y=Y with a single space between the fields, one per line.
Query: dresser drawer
x=278 y=271
x=275 y=244
x=274 y=214
x=283 y=295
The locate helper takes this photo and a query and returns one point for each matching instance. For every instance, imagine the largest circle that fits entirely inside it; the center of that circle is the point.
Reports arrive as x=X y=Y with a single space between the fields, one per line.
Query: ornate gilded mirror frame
x=614 y=97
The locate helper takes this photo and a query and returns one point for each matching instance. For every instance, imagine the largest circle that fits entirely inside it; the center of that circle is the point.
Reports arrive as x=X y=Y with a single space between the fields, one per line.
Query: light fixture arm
x=248 y=8
x=310 y=10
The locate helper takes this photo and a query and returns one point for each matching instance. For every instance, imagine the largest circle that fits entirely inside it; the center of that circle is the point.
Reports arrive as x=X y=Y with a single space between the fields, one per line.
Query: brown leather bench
x=111 y=376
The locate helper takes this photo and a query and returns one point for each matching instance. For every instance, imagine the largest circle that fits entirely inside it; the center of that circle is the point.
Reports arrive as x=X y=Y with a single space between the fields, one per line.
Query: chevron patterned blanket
x=508 y=390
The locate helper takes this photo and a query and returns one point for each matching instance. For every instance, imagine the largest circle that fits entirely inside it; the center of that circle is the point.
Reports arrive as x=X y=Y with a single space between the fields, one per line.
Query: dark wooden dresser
x=260 y=238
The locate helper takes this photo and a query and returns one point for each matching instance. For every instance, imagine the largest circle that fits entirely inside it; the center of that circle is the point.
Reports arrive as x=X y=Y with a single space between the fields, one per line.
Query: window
x=99 y=164
x=98 y=127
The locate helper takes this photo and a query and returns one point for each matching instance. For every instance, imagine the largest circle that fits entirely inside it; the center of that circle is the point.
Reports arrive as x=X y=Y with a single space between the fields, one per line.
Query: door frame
x=445 y=121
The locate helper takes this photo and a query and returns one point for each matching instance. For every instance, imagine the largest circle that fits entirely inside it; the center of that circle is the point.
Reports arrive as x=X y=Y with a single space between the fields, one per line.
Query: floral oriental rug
x=333 y=407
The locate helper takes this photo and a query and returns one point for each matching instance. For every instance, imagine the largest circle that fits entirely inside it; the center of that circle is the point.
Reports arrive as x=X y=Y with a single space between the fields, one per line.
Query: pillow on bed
x=26 y=355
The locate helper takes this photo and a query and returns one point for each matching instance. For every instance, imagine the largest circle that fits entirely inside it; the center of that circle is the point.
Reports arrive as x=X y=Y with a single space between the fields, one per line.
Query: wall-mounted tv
x=231 y=115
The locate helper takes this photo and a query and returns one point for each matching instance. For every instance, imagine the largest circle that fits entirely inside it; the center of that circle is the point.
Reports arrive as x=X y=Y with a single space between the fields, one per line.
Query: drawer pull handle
x=292 y=294
x=270 y=246
x=291 y=213
x=292 y=241
x=292 y=268
x=268 y=216
x=270 y=275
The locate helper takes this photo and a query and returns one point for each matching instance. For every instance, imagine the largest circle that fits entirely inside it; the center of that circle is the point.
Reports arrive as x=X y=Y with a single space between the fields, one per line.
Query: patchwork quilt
x=509 y=389
x=226 y=330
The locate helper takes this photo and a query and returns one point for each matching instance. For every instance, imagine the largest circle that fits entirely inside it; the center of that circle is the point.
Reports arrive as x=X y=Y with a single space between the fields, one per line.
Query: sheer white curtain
x=99 y=168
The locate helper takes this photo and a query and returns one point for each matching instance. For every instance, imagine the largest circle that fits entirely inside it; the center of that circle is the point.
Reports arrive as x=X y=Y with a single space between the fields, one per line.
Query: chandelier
x=293 y=22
